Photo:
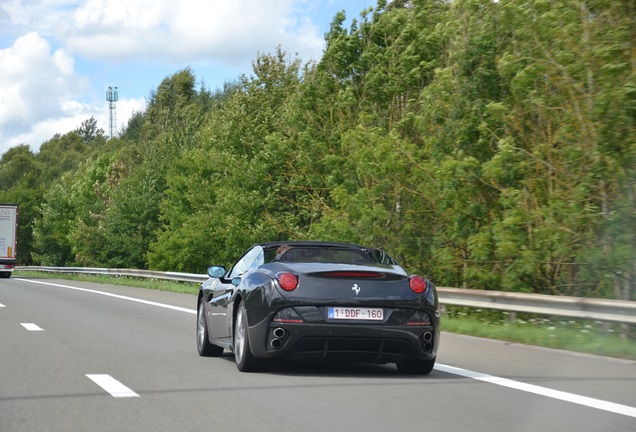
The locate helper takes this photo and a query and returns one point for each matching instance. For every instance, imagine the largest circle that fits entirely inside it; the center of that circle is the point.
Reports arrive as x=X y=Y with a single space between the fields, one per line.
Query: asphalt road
x=77 y=356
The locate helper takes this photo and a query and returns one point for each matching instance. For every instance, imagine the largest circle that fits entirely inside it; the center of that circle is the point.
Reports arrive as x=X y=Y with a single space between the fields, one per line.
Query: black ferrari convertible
x=318 y=301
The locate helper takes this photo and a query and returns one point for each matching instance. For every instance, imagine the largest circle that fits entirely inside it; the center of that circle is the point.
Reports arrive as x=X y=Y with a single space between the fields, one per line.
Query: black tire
x=416 y=367
x=205 y=348
x=245 y=360
x=5 y=275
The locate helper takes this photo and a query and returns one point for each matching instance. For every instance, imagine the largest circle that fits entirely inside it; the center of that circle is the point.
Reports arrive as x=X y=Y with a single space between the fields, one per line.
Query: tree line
x=484 y=144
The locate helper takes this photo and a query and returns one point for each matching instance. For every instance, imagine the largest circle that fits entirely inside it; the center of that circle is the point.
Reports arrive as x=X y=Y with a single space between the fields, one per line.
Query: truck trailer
x=8 y=238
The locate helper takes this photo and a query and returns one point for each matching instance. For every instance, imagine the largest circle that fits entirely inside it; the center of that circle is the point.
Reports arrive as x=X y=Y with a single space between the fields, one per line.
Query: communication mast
x=111 y=97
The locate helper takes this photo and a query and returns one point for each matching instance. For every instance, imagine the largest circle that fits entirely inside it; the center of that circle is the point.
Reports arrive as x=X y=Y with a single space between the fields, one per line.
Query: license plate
x=345 y=313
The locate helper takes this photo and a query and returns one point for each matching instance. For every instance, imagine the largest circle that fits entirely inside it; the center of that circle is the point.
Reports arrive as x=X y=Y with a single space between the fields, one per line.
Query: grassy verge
x=591 y=337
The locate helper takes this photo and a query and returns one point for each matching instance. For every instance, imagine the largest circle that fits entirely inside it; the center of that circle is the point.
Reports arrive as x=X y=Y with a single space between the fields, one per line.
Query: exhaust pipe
x=276 y=343
x=427 y=341
x=278 y=333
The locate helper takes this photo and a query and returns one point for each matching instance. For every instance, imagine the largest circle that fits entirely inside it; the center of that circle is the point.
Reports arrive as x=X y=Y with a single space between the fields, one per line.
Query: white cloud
x=230 y=32
x=35 y=15
x=36 y=85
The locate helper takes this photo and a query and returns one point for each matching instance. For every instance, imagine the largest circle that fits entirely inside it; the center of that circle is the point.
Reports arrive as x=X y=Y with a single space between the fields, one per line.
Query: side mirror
x=216 y=272
x=236 y=281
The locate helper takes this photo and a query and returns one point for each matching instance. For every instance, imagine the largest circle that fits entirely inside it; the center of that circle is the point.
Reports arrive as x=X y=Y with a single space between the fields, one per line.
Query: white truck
x=8 y=238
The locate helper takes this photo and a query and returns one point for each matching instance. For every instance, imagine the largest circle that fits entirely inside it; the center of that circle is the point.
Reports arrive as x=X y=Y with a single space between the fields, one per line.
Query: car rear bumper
x=310 y=342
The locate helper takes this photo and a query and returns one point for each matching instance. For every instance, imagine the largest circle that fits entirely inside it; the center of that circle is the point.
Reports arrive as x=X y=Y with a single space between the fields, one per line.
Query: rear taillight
x=417 y=284
x=287 y=281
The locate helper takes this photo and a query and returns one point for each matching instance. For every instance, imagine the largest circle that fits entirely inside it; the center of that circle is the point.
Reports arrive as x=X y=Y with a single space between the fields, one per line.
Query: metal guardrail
x=150 y=274
x=574 y=307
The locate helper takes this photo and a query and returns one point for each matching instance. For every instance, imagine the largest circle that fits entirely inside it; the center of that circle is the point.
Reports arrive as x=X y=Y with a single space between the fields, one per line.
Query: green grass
x=591 y=337
x=585 y=336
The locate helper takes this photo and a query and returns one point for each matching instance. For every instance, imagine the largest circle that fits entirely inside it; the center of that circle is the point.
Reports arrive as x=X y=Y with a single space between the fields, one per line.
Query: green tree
x=91 y=194
x=568 y=77
x=171 y=126
x=51 y=243
x=19 y=174
x=89 y=131
x=220 y=193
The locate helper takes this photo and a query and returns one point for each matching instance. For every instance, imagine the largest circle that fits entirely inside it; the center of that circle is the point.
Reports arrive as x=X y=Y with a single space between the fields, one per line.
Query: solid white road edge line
x=530 y=388
x=132 y=299
x=541 y=391
x=112 y=386
x=31 y=327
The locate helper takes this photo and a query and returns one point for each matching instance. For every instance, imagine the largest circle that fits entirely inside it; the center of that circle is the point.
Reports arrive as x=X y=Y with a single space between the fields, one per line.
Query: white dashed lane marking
x=112 y=386
x=31 y=327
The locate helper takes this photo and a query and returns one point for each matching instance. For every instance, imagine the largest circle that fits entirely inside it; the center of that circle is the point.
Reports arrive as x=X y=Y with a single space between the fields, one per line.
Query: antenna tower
x=111 y=97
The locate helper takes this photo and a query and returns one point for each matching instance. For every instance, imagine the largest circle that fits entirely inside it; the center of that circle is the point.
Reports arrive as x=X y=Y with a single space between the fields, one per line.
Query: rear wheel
x=416 y=367
x=245 y=360
x=205 y=348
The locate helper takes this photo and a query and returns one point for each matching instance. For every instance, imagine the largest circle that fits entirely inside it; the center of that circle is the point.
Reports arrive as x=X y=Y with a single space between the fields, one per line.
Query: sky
x=59 y=57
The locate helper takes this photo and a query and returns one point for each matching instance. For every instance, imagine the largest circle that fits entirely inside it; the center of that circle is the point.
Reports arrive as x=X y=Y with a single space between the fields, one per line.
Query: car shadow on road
x=342 y=370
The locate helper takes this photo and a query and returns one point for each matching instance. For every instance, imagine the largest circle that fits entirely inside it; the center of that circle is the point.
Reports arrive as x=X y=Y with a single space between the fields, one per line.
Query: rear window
x=318 y=255
x=327 y=254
